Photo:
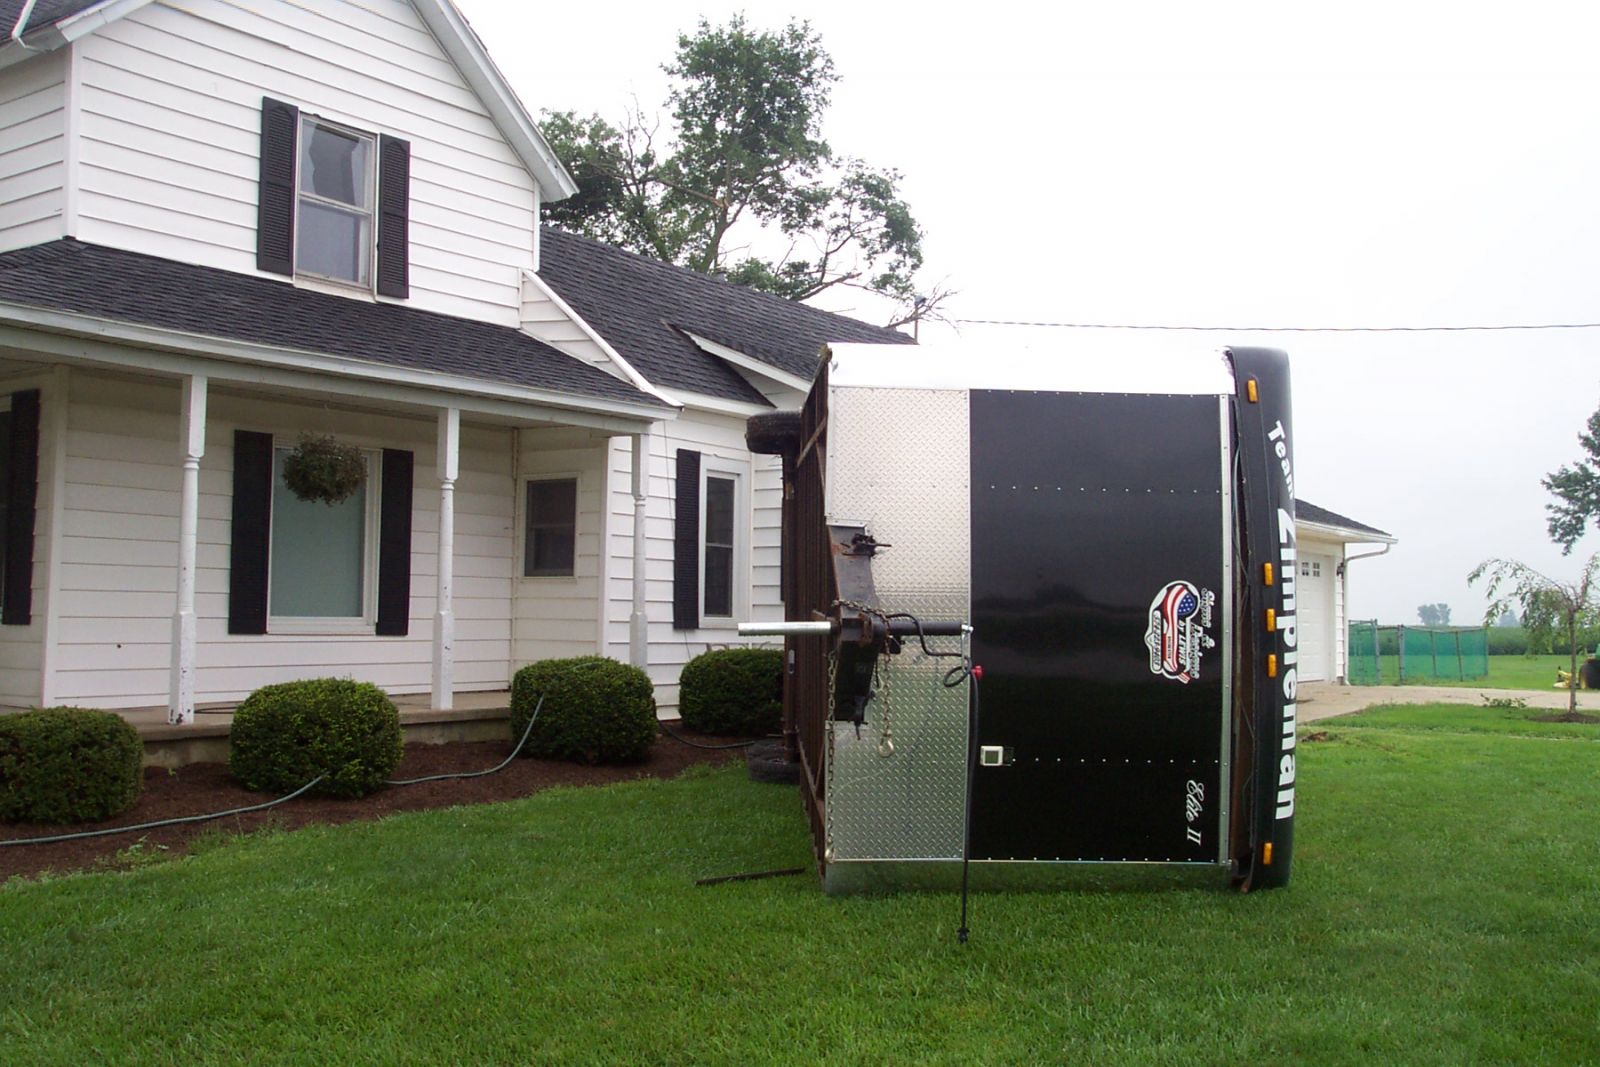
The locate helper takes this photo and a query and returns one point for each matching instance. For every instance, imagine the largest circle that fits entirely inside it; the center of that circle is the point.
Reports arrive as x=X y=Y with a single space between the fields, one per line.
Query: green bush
x=68 y=765
x=733 y=691
x=285 y=735
x=596 y=710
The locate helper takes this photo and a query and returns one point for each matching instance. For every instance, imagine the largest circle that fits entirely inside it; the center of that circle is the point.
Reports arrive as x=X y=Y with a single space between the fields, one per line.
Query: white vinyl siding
x=170 y=127
x=22 y=649
x=558 y=615
x=118 y=570
x=32 y=150
x=717 y=438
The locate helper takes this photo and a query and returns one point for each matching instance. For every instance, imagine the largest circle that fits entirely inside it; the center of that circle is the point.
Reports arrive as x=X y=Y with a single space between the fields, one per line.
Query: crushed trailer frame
x=1039 y=614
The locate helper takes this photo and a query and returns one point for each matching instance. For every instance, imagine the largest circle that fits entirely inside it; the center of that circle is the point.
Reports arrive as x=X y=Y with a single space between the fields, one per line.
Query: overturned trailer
x=1040 y=611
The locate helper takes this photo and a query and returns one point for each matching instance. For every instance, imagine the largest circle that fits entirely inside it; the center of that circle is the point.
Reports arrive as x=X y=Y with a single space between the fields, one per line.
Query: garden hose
x=55 y=838
x=502 y=765
x=162 y=822
x=701 y=744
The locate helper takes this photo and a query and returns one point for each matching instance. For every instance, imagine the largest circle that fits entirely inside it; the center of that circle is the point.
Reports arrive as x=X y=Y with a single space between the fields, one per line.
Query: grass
x=1505 y=672
x=1456 y=718
x=1444 y=910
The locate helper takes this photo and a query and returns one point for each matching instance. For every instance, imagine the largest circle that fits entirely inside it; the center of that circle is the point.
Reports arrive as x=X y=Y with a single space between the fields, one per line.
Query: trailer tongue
x=1110 y=548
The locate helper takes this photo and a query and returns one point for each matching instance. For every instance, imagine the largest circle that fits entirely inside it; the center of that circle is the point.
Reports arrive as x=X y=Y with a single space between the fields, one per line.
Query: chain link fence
x=1395 y=655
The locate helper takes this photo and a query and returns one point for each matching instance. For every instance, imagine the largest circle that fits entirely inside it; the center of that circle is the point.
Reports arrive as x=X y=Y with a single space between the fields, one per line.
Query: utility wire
x=1282 y=329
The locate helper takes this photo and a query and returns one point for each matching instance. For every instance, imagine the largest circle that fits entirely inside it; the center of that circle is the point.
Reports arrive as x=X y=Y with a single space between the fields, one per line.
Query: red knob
x=977 y=671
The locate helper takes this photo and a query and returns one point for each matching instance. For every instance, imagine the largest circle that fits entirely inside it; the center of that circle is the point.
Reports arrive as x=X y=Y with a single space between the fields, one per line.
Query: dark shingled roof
x=635 y=303
x=44 y=13
x=69 y=275
x=1311 y=513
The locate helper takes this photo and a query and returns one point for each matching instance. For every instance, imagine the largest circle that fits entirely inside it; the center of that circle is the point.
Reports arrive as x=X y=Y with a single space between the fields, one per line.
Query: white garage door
x=1314 y=617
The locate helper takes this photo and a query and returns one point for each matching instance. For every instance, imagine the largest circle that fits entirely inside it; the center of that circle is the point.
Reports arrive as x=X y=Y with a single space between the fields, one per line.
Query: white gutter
x=214 y=348
x=22 y=20
x=639 y=381
x=747 y=362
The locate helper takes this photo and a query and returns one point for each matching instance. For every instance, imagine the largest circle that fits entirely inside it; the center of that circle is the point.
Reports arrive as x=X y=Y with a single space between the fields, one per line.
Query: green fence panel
x=1361 y=653
x=1437 y=653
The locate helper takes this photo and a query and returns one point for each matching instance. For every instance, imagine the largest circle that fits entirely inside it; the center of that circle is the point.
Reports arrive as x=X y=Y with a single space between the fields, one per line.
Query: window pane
x=719 y=511
x=332 y=242
x=333 y=165
x=318 y=552
x=551 y=536
x=719 y=580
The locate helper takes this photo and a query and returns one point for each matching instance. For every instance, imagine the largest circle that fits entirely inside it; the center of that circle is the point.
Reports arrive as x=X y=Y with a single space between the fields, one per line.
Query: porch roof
x=130 y=287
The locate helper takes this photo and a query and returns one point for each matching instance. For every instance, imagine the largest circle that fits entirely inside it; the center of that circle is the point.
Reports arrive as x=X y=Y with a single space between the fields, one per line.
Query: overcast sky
x=1365 y=164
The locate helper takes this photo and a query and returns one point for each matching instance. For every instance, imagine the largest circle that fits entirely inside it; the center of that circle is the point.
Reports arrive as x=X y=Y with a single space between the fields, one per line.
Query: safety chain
x=881 y=676
x=833 y=673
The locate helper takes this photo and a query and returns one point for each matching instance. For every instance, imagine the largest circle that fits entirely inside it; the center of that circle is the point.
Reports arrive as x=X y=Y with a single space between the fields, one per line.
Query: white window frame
x=718 y=467
x=367 y=622
x=341 y=284
x=576 y=477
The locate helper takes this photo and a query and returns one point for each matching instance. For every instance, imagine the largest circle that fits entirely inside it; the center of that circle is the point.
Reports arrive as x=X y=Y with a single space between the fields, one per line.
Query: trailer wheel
x=766 y=763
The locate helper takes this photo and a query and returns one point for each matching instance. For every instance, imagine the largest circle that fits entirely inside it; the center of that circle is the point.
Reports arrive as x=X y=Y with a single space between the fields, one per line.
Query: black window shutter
x=686 y=543
x=22 y=489
x=394 y=544
x=280 y=134
x=394 y=215
x=252 y=525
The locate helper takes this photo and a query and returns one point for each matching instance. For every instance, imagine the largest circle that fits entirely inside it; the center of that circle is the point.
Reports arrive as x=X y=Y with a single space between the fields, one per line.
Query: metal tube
x=821 y=628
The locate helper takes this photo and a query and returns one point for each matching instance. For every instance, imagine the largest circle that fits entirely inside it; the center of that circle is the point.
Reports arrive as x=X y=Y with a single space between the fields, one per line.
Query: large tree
x=1549 y=607
x=743 y=162
x=1577 y=491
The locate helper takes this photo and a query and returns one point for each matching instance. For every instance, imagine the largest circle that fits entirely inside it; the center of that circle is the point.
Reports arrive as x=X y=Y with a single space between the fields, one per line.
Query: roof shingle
x=1311 y=513
x=69 y=275
x=641 y=306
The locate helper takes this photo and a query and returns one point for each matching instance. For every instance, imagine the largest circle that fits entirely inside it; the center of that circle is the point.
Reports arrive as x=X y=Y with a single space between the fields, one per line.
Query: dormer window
x=334 y=202
x=334 y=224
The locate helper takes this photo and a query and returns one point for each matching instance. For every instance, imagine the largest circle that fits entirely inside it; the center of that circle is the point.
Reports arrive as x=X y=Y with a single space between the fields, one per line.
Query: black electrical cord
x=922 y=638
x=952 y=678
x=701 y=744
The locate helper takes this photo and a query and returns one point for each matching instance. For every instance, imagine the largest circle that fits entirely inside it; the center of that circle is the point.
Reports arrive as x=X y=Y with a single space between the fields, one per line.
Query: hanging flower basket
x=321 y=468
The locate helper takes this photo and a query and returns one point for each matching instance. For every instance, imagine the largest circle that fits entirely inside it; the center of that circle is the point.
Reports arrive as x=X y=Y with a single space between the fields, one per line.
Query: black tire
x=766 y=763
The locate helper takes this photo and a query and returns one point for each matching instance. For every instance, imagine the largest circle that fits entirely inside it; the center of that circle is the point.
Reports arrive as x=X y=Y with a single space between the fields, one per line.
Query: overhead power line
x=1282 y=329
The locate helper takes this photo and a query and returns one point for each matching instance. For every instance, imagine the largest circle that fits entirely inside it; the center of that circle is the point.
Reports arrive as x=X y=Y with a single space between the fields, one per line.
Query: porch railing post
x=639 y=620
x=180 y=702
x=444 y=620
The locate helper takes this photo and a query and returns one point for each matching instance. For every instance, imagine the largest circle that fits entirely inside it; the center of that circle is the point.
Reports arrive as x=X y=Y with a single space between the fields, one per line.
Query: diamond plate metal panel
x=898 y=463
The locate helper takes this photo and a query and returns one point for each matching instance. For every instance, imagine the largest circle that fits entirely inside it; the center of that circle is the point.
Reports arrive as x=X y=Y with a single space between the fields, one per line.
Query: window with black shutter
x=333 y=202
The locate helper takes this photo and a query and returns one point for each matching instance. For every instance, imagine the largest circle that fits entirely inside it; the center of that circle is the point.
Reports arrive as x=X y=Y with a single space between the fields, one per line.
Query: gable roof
x=53 y=23
x=1307 y=512
x=129 y=287
x=646 y=309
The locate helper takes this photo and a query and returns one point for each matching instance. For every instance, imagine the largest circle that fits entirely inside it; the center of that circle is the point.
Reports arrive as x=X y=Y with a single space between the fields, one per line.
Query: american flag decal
x=1176 y=637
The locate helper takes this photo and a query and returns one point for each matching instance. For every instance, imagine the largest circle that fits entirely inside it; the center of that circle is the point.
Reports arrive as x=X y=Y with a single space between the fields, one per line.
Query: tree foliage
x=1548 y=607
x=744 y=155
x=1434 y=614
x=1577 y=491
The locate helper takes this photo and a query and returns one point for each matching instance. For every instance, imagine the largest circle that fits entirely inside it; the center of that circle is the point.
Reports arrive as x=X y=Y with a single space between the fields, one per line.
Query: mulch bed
x=201 y=788
x=1567 y=716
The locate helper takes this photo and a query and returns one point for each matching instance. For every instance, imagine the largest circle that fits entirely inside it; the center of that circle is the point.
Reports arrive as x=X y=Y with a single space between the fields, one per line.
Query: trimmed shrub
x=285 y=735
x=68 y=765
x=733 y=691
x=596 y=710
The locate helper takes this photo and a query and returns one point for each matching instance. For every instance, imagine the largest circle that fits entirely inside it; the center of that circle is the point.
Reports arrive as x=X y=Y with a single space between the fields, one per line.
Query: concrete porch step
x=476 y=717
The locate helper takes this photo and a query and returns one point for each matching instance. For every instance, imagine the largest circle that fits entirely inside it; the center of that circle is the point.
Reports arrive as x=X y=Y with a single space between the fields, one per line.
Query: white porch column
x=444 y=619
x=180 y=702
x=639 y=620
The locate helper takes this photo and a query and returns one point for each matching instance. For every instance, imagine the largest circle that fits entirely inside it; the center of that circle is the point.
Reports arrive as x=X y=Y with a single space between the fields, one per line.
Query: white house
x=225 y=223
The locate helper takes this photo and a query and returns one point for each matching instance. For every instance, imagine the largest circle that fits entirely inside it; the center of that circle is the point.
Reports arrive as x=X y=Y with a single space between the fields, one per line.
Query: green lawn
x=1445 y=909
x=1505 y=672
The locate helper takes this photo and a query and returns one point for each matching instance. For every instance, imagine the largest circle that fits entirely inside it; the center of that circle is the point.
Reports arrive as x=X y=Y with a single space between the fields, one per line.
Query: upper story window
x=334 y=225
x=334 y=202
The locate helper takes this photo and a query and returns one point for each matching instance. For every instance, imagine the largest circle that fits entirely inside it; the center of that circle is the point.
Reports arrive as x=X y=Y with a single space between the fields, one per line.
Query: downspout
x=22 y=20
x=1344 y=598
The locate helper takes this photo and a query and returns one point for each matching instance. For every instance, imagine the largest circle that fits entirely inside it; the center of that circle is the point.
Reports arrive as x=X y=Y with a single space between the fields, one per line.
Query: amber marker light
x=1266 y=573
x=1266 y=854
x=1272 y=666
x=1250 y=390
x=1272 y=620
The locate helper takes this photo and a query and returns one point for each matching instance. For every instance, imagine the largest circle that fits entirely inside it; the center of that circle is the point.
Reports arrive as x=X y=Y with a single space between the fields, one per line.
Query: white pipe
x=180 y=702
x=1344 y=598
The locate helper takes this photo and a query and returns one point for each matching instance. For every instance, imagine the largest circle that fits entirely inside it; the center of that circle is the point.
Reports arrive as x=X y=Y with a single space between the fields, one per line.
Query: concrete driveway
x=1321 y=700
